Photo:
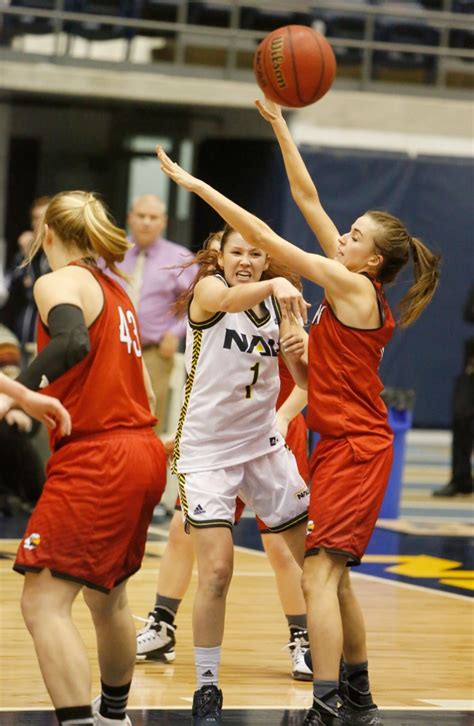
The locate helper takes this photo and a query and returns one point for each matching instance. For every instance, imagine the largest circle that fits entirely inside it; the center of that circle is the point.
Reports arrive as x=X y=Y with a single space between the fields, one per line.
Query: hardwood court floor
x=414 y=584
x=420 y=644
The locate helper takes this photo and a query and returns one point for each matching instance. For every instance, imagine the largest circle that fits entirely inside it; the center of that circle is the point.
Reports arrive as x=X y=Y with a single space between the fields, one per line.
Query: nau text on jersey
x=252 y=344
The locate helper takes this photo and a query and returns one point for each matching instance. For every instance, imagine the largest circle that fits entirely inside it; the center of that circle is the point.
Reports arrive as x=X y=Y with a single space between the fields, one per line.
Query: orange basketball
x=294 y=66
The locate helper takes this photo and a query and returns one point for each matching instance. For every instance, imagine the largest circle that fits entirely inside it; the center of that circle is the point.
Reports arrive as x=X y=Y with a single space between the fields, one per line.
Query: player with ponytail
x=351 y=465
x=104 y=478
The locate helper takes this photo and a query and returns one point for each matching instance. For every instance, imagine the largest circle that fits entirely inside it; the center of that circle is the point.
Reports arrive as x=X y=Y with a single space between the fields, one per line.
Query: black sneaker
x=322 y=715
x=350 y=714
x=316 y=718
x=207 y=706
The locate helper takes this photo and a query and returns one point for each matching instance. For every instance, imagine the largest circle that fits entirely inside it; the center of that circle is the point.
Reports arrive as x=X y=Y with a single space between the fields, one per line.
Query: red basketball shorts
x=297 y=441
x=90 y=523
x=345 y=498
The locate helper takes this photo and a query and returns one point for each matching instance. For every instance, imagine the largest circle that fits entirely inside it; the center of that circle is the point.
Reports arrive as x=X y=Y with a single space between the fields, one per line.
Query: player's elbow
x=78 y=345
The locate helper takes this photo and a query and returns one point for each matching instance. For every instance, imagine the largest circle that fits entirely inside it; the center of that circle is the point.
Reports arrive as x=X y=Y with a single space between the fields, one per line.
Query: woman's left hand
x=174 y=171
x=292 y=346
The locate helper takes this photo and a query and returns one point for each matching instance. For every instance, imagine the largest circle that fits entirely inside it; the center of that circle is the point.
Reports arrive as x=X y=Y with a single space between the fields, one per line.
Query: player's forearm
x=295 y=402
x=299 y=373
x=12 y=389
x=252 y=229
x=243 y=297
x=302 y=186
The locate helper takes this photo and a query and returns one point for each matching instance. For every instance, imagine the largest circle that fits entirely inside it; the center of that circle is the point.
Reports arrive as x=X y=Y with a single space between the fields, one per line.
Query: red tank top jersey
x=343 y=382
x=105 y=390
x=286 y=382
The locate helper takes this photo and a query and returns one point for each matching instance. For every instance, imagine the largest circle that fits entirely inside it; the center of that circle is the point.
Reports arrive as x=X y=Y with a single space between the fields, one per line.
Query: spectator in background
x=21 y=471
x=20 y=313
x=154 y=286
x=462 y=418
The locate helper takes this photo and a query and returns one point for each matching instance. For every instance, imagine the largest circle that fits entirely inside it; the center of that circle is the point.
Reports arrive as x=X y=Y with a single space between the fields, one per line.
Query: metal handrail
x=440 y=20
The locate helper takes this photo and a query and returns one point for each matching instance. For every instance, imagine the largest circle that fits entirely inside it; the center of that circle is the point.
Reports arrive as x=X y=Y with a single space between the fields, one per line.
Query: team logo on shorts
x=302 y=493
x=32 y=541
x=199 y=510
x=310 y=527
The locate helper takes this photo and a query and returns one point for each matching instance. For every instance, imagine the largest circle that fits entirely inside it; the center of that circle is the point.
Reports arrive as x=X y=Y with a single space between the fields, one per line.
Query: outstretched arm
x=324 y=272
x=303 y=189
x=46 y=409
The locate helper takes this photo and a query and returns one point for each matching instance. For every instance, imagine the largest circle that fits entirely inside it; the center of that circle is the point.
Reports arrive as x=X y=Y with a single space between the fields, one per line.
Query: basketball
x=294 y=66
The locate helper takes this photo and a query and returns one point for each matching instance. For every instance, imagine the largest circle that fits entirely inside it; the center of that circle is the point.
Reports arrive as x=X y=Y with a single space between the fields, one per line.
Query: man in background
x=461 y=481
x=154 y=286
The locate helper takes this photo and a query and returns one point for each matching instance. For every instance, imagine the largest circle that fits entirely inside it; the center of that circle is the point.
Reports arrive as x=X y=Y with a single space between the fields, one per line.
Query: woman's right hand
x=175 y=172
x=48 y=410
x=292 y=304
x=269 y=110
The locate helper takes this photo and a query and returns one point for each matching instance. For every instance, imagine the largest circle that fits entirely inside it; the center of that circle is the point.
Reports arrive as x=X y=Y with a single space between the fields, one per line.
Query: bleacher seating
x=339 y=24
x=93 y=30
x=414 y=31
x=240 y=27
x=266 y=20
x=14 y=25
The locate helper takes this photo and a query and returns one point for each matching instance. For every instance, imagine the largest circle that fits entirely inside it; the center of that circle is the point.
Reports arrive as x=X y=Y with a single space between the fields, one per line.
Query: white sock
x=207 y=662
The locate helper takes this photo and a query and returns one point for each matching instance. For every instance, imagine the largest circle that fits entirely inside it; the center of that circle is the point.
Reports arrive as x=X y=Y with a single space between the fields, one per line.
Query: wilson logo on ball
x=294 y=66
x=277 y=60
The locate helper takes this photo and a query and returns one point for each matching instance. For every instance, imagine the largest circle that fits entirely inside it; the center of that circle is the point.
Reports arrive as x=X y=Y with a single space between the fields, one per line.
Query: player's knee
x=217 y=580
x=278 y=552
x=34 y=609
x=344 y=590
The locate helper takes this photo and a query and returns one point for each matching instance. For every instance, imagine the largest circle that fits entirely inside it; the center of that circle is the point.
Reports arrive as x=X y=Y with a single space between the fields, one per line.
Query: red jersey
x=286 y=382
x=105 y=390
x=343 y=382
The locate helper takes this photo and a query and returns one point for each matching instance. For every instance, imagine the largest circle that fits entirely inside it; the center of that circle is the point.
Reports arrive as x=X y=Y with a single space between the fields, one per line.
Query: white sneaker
x=100 y=720
x=156 y=641
x=298 y=646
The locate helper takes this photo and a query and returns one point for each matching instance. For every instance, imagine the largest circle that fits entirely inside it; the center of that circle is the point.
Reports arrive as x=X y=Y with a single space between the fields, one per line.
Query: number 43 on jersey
x=128 y=332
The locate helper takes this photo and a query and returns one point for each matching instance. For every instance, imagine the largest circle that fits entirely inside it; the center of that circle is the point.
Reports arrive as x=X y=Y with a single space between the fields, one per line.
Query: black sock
x=75 y=715
x=113 y=702
x=296 y=624
x=325 y=695
x=166 y=608
x=357 y=683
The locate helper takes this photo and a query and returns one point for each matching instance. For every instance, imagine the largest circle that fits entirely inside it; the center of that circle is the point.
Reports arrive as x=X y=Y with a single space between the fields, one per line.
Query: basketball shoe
x=100 y=720
x=315 y=717
x=207 y=706
x=298 y=646
x=358 y=708
x=156 y=640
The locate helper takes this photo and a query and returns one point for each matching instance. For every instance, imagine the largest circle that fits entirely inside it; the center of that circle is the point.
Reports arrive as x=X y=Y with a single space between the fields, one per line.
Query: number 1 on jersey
x=248 y=389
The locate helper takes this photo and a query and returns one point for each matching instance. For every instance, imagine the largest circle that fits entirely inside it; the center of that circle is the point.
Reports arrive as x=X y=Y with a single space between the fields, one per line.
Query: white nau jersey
x=228 y=411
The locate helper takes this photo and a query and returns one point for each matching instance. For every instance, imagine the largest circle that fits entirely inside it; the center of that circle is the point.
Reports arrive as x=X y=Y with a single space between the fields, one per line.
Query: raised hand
x=174 y=171
x=270 y=110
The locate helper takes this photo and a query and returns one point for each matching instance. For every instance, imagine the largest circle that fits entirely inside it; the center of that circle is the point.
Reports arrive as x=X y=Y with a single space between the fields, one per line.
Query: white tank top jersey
x=228 y=410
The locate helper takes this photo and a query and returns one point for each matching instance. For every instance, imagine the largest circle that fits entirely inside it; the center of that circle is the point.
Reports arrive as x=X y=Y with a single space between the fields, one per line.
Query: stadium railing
x=429 y=43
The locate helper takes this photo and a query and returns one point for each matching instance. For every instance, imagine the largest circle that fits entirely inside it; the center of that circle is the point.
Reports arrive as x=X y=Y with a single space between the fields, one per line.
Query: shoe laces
x=299 y=641
x=150 y=623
